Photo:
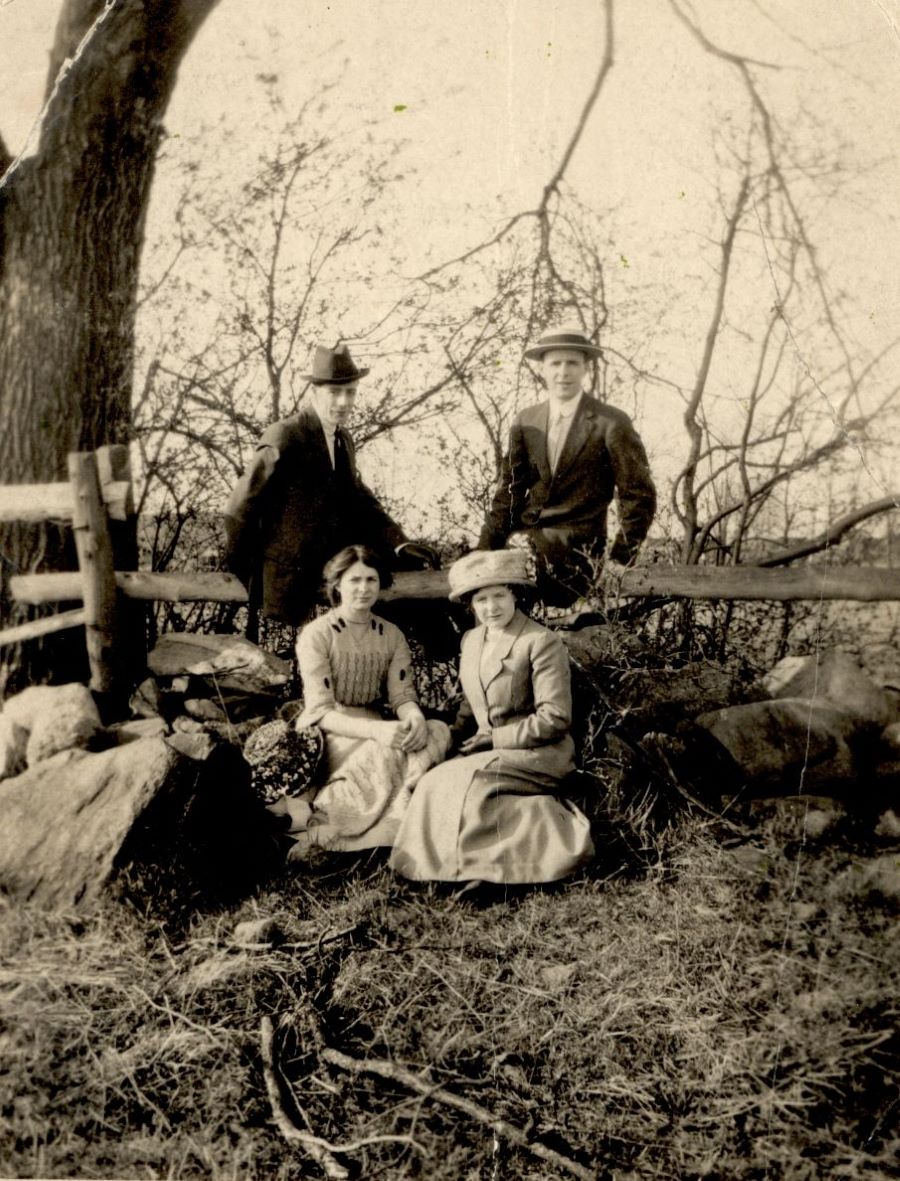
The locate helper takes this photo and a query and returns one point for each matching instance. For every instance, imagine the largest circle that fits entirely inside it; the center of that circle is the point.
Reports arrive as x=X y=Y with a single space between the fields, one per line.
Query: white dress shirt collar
x=559 y=411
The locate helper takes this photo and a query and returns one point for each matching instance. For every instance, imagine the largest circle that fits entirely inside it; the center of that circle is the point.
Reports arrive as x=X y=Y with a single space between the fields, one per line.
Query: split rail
x=98 y=502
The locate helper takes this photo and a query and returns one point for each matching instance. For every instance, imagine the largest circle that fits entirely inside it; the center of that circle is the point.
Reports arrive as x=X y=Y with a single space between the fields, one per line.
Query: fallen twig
x=415 y=1082
x=322 y=1151
x=306 y=945
x=286 y=1126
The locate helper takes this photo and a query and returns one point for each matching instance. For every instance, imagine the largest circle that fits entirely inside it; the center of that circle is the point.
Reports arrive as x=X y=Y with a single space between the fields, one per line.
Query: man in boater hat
x=567 y=458
x=301 y=499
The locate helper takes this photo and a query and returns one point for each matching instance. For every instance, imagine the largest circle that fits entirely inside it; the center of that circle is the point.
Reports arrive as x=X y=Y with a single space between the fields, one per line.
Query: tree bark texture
x=72 y=222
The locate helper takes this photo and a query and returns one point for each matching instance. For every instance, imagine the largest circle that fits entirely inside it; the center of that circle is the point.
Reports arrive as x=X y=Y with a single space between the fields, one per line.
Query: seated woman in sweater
x=358 y=689
x=495 y=813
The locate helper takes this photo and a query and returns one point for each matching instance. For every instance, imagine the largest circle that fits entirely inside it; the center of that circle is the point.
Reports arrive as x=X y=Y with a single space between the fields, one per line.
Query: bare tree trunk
x=71 y=230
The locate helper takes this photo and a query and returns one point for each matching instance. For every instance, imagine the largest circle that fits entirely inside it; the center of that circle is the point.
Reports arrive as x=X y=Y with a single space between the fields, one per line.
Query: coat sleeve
x=243 y=513
x=400 y=685
x=314 y=664
x=464 y=722
x=503 y=516
x=551 y=690
x=635 y=492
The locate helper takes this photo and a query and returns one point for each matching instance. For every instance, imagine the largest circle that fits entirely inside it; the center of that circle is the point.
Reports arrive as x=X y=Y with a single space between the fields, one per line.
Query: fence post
x=95 y=561
x=113 y=467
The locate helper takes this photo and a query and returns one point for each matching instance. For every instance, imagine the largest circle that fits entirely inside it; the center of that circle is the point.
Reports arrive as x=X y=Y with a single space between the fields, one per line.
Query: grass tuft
x=716 y=1012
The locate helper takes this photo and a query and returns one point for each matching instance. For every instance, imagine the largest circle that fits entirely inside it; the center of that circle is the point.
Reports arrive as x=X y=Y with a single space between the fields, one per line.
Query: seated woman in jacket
x=358 y=689
x=493 y=813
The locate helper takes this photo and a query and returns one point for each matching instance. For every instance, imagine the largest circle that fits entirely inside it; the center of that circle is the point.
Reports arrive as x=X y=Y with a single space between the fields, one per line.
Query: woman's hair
x=337 y=567
x=525 y=596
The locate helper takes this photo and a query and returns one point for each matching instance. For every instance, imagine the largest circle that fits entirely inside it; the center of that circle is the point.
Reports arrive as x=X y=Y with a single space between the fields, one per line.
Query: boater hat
x=333 y=366
x=495 y=567
x=563 y=338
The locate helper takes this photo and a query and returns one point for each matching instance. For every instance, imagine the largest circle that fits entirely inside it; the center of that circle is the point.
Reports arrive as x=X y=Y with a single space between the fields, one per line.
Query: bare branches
x=321 y=1153
x=807 y=461
x=742 y=63
x=424 y=1086
x=834 y=533
x=688 y=516
x=776 y=174
x=552 y=188
x=770 y=427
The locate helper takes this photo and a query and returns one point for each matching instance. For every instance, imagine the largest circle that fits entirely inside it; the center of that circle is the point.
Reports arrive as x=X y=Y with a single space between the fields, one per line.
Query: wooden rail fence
x=98 y=503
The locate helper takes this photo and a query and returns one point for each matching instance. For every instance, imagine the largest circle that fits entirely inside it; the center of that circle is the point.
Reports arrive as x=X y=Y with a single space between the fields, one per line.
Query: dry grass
x=723 y=1014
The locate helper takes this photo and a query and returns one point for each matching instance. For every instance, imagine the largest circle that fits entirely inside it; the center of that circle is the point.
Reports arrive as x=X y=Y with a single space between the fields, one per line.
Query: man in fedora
x=567 y=458
x=301 y=499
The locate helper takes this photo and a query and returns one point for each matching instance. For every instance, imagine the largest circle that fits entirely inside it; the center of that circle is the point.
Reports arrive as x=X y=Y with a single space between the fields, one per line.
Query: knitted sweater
x=342 y=664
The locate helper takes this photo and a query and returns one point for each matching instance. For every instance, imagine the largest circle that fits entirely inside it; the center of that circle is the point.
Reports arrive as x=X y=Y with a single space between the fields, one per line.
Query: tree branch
x=551 y=188
x=688 y=516
x=313 y=1145
x=776 y=173
x=834 y=532
x=606 y=65
x=423 y=1086
x=804 y=463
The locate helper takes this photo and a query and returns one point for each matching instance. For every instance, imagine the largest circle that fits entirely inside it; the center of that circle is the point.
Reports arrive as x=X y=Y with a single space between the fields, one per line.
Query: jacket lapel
x=316 y=445
x=469 y=663
x=579 y=433
x=541 y=455
x=492 y=666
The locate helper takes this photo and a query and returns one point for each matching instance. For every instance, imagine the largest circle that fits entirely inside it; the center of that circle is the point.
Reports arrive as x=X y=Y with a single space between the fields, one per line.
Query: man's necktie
x=557 y=440
x=343 y=473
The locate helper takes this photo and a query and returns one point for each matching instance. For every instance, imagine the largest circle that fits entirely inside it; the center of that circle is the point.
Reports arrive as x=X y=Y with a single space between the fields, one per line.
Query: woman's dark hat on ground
x=283 y=760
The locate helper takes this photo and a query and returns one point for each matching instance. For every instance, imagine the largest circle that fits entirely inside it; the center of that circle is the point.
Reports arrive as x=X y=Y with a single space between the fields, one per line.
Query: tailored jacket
x=602 y=457
x=288 y=515
x=523 y=698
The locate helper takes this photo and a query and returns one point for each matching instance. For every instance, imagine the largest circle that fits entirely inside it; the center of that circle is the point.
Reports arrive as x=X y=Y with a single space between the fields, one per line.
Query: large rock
x=134 y=729
x=670 y=694
x=834 y=677
x=204 y=709
x=232 y=661
x=76 y=822
x=611 y=657
x=793 y=744
x=604 y=645
x=57 y=718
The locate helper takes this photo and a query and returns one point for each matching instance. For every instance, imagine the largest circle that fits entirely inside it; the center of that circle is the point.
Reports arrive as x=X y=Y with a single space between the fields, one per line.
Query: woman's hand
x=483 y=740
x=415 y=730
x=409 y=735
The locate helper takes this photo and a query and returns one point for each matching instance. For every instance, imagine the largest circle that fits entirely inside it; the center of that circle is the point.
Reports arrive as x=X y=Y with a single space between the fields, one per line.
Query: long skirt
x=480 y=818
x=368 y=790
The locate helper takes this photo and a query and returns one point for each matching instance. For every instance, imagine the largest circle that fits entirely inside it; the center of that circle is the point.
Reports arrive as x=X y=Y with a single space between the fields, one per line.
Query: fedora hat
x=492 y=567
x=563 y=338
x=333 y=366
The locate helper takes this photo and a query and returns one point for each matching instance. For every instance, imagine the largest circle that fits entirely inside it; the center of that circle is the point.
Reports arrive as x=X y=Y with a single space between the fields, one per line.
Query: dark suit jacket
x=287 y=516
x=603 y=456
